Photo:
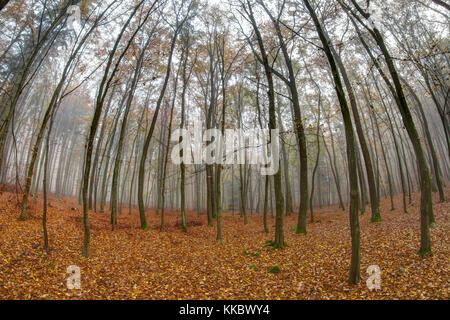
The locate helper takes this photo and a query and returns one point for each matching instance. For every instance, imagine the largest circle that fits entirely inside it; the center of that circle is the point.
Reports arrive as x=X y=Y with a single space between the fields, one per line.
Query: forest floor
x=130 y=263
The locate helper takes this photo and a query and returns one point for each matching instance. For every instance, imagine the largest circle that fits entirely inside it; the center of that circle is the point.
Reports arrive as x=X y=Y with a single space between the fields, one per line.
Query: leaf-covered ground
x=130 y=263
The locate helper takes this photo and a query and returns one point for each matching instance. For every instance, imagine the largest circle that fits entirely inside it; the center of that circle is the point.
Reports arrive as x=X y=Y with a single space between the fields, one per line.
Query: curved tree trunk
x=351 y=155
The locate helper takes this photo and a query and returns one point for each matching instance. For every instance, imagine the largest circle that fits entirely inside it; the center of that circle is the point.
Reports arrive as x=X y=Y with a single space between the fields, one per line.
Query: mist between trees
x=250 y=147
x=358 y=91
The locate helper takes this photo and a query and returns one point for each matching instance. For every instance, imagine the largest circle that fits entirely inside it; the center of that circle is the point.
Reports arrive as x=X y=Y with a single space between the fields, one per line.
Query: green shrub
x=274 y=269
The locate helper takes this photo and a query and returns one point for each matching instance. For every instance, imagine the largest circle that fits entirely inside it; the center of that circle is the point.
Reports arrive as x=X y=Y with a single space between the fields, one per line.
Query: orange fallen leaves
x=130 y=263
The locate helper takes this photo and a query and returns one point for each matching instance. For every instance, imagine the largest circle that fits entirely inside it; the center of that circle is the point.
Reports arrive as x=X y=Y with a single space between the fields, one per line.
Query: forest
x=221 y=150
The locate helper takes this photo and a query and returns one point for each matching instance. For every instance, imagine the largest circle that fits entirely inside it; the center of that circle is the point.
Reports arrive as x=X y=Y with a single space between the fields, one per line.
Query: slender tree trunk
x=426 y=205
x=374 y=201
x=279 y=222
x=149 y=136
x=436 y=165
x=351 y=155
x=316 y=163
